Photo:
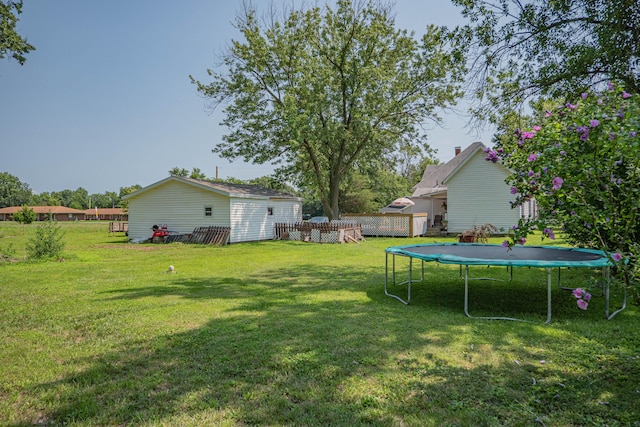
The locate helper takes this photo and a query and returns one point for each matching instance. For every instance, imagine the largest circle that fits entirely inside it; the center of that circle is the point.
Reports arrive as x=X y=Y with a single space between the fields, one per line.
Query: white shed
x=182 y=204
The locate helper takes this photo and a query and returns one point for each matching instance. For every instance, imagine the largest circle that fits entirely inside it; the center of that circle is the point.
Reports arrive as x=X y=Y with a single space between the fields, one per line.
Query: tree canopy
x=13 y=192
x=12 y=43
x=550 y=48
x=326 y=91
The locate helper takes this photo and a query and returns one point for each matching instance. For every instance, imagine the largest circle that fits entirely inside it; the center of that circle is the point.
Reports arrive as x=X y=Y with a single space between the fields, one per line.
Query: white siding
x=179 y=206
x=477 y=194
x=250 y=220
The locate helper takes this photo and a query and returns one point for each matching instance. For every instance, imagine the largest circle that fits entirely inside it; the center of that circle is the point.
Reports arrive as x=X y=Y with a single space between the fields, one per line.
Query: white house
x=182 y=204
x=467 y=191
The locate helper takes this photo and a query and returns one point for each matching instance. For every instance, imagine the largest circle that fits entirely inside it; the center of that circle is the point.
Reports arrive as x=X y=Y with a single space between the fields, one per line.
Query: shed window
x=269 y=211
x=208 y=211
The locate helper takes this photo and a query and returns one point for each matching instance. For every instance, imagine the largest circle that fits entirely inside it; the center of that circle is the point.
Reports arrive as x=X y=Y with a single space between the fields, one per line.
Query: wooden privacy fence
x=327 y=232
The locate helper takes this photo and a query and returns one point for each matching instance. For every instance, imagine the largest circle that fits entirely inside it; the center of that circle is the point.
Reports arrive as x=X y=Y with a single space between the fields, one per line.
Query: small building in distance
x=183 y=204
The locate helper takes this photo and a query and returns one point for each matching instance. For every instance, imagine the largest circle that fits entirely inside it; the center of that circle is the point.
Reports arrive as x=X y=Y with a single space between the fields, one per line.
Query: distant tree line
x=14 y=192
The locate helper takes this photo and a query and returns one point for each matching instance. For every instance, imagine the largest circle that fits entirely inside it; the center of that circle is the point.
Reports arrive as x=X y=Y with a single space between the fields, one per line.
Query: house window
x=269 y=211
x=208 y=211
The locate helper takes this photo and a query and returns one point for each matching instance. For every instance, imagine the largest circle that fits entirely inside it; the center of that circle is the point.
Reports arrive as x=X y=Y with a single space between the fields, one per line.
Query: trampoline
x=472 y=254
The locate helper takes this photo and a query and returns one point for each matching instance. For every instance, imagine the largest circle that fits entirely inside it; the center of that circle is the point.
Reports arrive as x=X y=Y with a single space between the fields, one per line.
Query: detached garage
x=182 y=204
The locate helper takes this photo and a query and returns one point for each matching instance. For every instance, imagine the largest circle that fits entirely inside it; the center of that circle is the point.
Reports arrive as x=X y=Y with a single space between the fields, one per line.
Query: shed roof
x=226 y=189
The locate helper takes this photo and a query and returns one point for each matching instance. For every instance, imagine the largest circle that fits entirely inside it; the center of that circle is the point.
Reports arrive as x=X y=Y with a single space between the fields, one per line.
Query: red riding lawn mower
x=159 y=231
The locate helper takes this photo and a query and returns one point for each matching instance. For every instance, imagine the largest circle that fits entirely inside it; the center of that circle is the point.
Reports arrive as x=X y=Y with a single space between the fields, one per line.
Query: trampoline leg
x=563 y=287
x=549 y=293
x=607 y=284
x=466 y=300
x=466 y=291
x=393 y=275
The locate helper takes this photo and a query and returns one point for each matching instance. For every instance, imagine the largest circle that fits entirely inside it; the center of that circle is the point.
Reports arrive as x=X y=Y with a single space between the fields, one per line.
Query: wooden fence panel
x=118 y=227
x=212 y=235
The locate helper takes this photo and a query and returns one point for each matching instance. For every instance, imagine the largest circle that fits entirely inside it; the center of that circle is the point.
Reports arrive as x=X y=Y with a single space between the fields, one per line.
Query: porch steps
x=433 y=231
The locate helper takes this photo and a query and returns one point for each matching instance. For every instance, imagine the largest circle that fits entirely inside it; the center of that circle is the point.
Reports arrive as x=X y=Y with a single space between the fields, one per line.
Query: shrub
x=580 y=164
x=7 y=253
x=26 y=215
x=47 y=242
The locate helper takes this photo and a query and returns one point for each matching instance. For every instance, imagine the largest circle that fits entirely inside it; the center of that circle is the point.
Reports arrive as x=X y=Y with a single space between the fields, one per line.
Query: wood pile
x=213 y=235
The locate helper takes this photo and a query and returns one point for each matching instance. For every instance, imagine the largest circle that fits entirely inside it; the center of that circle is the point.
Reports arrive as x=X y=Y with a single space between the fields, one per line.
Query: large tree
x=550 y=48
x=13 y=192
x=12 y=43
x=324 y=90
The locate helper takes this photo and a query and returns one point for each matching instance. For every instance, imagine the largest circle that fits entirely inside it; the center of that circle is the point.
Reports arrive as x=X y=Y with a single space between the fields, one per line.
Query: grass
x=292 y=333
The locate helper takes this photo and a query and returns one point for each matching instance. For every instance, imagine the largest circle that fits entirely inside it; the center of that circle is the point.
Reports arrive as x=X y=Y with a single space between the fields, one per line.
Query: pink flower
x=582 y=304
x=537 y=128
x=593 y=123
x=577 y=292
x=505 y=244
x=532 y=157
x=492 y=156
x=522 y=241
x=557 y=183
x=514 y=190
x=549 y=232
x=617 y=257
x=586 y=296
x=625 y=95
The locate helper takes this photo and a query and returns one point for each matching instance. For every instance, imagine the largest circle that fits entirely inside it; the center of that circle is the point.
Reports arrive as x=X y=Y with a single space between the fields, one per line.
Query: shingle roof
x=230 y=190
x=434 y=175
x=242 y=189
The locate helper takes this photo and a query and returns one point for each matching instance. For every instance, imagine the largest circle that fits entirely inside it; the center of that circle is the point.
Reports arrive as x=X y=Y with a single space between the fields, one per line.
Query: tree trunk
x=330 y=204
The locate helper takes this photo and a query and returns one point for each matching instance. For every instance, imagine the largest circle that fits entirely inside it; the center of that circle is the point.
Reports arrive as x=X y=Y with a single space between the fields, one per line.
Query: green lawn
x=292 y=333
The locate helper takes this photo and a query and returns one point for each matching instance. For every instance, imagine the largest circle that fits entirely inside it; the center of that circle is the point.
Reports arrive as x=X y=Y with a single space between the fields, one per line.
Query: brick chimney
x=458 y=149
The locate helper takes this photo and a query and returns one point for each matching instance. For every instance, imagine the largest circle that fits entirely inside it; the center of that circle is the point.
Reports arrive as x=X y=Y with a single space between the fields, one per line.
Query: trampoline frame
x=604 y=263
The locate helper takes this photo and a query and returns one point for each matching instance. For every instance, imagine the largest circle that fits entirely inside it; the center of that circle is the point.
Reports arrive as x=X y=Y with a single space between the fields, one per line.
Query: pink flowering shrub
x=583 y=297
x=580 y=164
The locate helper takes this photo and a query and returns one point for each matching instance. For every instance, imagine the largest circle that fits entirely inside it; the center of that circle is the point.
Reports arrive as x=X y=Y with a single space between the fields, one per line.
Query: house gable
x=435 y=177
x=478 y=194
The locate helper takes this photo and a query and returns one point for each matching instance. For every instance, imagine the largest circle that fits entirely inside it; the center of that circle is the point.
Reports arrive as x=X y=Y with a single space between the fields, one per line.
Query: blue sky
x=105 y=101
